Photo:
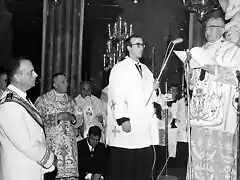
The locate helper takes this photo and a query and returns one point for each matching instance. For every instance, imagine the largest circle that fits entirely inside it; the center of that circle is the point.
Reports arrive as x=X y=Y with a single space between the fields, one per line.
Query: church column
x=62 y=42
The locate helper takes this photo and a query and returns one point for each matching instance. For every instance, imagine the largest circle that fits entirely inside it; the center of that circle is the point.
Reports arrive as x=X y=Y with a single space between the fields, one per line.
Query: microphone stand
x=186 y=70
x=166 y=130
x=238 y=128
x=161 y=71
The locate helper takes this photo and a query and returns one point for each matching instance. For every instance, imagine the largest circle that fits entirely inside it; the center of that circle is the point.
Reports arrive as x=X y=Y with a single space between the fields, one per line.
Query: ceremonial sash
x=13 y=97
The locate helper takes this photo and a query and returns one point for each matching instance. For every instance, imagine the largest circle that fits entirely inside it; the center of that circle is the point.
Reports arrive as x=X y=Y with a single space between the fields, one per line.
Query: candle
x=109 y=46
x=120 y=23
x=114 y=58
x=115 y=28
x=104 y=60
x=117 y=46
x=122 y=45
x=125 y=28
x=131 y=29
x=109 y=30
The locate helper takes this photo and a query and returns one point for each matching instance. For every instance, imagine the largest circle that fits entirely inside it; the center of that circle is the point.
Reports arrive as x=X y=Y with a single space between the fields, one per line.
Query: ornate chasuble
x=60 y=136
x=213 y=102
x=92 y=109
x=128 y=92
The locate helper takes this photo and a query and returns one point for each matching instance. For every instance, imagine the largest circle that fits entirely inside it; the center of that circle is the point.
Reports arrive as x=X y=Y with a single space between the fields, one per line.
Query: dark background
x=158 y=22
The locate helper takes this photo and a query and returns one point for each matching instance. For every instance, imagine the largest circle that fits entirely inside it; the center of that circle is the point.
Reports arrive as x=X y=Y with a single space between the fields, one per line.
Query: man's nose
x=35 y=74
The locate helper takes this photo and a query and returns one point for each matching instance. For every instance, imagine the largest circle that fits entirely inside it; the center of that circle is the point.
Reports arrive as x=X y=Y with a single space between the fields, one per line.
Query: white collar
x=18 y=91
x=133 y=61
x=90 y=147
x=219 y=40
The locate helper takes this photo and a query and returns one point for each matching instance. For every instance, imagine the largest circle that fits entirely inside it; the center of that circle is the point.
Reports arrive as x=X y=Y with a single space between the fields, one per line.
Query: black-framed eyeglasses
x=139 y=45
x=213 y=26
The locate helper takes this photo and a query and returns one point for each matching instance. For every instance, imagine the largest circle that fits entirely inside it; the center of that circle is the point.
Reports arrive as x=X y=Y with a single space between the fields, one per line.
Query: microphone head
x=178 y=40
x=237 y=72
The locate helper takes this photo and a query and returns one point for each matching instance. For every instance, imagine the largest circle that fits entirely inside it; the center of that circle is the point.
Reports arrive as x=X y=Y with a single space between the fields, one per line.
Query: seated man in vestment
x=213 y=112
x=61 y=117
x=92 y=155
x=93 y=109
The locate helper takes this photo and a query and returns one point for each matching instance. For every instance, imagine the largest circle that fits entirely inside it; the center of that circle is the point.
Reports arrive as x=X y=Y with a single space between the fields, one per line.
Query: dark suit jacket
x=91 y=162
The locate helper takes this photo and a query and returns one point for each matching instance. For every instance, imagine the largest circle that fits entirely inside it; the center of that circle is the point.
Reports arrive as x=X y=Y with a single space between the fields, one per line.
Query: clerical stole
x=60 y=136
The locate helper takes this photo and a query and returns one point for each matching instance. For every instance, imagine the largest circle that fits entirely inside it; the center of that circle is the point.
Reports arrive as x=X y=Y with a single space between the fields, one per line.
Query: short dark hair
x=2 y=71
x=129 y=43
x=56 y=75
x=95 y=131
x=85 y=82
x=14 y=66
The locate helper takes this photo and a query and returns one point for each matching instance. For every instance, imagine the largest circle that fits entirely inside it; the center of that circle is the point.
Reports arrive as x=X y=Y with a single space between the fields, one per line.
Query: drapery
x=62 y=43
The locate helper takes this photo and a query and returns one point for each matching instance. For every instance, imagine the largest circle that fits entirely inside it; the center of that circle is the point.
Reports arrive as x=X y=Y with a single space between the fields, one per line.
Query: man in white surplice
x=132 y=126
x=24 y=153
x=93 y=109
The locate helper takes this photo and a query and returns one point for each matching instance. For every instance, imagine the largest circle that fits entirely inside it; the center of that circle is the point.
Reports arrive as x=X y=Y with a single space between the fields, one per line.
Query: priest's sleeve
x=20 y=130
x=118 y=95
x=77 y=111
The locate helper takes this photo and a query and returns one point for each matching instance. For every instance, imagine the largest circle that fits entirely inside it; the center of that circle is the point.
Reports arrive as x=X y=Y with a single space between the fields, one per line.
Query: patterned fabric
x=213 y=155
x=213 y=104
x=60 y=136
x=92 y=110
x=71 y=178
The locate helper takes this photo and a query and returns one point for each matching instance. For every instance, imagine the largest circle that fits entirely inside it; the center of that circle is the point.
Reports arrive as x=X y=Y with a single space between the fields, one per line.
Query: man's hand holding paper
x=200 y=58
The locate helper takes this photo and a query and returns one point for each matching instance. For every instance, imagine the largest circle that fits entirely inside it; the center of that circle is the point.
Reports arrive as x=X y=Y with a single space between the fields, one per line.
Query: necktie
x=92 y=150
x=139 y=68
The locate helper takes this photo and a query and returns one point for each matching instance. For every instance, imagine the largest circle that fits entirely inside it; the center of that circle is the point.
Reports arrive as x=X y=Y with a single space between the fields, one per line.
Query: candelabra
x=201 y=7
x=115 y=48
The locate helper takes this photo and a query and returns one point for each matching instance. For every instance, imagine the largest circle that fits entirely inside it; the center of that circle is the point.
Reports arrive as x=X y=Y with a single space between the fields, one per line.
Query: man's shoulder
x=82 y=142
x=101 y=145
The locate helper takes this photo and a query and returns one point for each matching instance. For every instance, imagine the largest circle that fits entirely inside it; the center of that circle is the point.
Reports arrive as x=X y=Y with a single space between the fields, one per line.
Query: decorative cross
x=113 y=104
x=115 y=131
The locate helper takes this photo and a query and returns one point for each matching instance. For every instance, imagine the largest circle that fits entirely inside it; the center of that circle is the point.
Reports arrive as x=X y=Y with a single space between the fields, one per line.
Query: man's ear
x=128 y=48
x=17 y=77
x=54 y=85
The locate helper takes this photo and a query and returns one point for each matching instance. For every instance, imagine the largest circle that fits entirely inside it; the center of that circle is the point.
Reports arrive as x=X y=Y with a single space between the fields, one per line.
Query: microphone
x=178 y=40
x=238 y=72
